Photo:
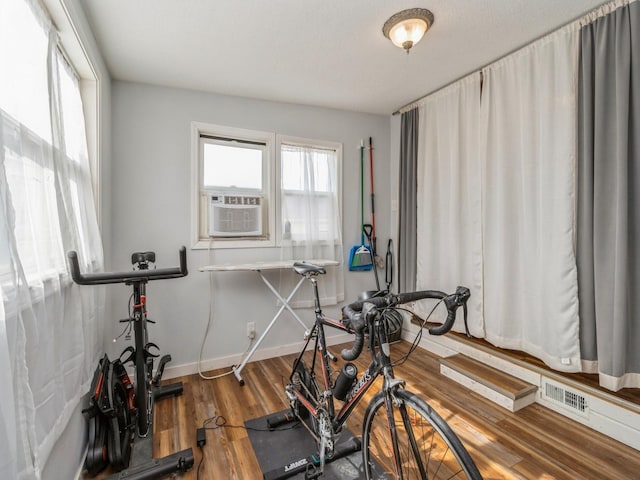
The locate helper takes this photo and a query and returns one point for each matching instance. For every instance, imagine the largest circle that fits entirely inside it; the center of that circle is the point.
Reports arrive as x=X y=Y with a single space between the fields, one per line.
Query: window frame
x=199 y=211
x=272 y=176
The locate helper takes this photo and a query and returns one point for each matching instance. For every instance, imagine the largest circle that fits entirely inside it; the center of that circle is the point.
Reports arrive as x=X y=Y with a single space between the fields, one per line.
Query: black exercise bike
x=118 y=410
x=402 y=436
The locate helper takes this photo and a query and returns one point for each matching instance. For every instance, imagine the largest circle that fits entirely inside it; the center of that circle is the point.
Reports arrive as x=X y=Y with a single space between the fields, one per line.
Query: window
x=232 y=165
x=232 y=172
x=310 y=211
x=254 y=188
x=310 y=190
x=43 y=146
x=49 y=335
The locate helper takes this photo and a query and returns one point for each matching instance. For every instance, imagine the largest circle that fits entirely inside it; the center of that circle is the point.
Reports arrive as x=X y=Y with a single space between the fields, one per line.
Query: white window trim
x=200 y=128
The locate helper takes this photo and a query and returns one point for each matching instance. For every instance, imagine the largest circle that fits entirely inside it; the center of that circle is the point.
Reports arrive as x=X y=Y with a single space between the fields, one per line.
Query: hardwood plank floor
x=533 y=443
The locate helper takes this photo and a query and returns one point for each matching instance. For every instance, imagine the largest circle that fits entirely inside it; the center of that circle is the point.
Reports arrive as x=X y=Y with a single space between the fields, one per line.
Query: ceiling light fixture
x=406 y=28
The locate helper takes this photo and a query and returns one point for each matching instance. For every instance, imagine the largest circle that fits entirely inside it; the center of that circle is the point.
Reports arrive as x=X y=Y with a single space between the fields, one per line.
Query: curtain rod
x=419 y=99
x=479 y=70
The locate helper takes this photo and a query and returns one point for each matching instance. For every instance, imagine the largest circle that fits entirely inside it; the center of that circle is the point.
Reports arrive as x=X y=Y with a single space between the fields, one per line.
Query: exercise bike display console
x=142 y=465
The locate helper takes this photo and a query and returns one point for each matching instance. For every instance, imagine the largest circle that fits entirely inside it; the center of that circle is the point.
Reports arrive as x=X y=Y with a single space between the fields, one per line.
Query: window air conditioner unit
x=235 y=215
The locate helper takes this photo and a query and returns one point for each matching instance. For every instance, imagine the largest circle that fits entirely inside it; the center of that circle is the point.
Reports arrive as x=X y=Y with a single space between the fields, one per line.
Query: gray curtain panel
x=609 y=192
x=407 y=209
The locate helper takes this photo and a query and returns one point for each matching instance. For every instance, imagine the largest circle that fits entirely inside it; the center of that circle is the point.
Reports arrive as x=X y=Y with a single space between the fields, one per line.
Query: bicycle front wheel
x=404 y=438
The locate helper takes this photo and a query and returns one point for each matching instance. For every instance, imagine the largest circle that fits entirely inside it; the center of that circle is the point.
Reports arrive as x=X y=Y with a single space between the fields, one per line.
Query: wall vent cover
x=565 y=397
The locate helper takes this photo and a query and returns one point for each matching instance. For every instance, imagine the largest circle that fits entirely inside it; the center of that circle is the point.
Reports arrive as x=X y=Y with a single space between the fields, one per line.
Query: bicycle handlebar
x=124 y=277
x=359 y=313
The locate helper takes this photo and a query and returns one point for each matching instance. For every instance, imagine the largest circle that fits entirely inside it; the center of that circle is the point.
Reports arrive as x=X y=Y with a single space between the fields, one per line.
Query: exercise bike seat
x=143 y=257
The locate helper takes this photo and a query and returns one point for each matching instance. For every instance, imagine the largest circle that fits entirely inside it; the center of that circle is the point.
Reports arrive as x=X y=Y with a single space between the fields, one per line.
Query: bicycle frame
x=393 y=412
x=380 y=365
x=144 y=397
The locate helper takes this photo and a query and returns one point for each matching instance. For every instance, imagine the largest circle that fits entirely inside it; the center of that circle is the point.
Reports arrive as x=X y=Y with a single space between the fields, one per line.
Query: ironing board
x=259 y=267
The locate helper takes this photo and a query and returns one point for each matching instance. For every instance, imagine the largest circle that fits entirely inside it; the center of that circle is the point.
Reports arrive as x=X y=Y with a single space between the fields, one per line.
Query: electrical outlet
x=251 y=330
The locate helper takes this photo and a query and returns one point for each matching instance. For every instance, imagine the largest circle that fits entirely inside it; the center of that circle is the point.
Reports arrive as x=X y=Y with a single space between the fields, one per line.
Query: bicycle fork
x=391 y=404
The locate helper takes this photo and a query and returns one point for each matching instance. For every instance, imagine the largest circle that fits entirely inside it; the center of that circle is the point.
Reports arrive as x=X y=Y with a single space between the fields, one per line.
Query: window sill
x=231 y=243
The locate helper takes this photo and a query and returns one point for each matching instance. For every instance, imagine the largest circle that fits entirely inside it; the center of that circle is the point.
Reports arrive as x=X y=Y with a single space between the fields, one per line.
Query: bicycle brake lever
x=462 y=295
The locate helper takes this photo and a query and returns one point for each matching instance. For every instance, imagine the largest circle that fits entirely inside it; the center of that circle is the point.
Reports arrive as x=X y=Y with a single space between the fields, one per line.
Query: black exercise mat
x=290 y=443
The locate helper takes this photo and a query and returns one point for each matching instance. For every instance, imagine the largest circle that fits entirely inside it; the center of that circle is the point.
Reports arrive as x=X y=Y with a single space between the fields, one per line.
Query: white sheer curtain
x=49 y=338
x=529 y=193
x=310 y=215
x=449 y=232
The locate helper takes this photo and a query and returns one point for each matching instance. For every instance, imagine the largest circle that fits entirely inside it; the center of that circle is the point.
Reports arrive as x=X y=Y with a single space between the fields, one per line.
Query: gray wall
x=150 y=178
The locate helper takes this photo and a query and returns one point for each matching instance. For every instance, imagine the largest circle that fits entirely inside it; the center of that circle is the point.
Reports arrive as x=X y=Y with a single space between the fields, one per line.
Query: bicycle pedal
x=147 y=350
x=150 y=321
x=124 y=320
x=132 y=353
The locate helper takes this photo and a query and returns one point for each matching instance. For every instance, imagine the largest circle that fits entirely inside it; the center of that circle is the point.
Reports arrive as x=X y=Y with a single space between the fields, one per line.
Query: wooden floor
x=534 y=443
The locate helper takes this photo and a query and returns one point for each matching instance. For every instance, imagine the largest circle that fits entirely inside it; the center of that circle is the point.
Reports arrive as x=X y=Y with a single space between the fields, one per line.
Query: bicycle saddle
x=303 y=268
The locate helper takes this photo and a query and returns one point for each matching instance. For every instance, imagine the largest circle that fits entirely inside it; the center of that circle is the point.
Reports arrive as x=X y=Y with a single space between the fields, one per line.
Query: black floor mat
x=280 y=450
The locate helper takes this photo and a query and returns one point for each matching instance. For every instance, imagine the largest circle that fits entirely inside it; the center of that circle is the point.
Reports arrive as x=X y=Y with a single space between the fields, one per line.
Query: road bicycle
x=124 y=414
x=402 y=436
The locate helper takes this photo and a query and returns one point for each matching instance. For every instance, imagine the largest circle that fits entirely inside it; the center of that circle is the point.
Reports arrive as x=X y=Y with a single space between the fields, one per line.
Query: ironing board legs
x=285 y=304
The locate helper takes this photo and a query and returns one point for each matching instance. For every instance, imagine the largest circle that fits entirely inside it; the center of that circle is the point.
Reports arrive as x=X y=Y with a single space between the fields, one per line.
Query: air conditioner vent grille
x=565 y=397
x=575 y=401
x=555 y=393
x=235 y=215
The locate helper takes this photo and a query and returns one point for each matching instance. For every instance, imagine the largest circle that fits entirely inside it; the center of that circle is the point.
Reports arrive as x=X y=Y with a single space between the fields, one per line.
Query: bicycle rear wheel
x=412 y=441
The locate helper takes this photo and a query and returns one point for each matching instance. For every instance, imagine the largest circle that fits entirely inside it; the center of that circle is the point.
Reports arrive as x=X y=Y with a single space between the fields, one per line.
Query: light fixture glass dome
x=407 y=28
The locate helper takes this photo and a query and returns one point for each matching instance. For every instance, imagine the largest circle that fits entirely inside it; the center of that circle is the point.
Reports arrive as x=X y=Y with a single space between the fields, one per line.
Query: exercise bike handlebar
x=360 y=313
x=126 y=277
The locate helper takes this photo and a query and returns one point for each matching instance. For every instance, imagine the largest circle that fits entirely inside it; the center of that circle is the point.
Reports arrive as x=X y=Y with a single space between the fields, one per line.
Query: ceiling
x=328 y=53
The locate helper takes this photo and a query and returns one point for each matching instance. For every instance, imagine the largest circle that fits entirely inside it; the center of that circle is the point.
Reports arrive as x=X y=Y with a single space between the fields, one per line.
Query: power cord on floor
x=200 y=463
x=206 y=332
x=201 y=440
x=220 y=421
